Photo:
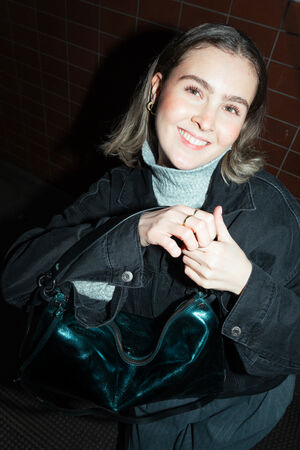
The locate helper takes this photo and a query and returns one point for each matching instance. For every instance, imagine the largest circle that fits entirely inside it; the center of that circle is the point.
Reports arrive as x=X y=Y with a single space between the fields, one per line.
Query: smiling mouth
x=191 y=139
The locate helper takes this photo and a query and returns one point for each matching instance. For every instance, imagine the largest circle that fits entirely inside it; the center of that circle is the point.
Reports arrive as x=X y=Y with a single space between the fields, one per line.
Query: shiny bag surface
x=129 y=361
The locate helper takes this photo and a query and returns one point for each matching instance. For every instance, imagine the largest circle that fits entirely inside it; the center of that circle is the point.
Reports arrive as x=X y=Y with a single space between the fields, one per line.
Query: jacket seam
x=90 y=194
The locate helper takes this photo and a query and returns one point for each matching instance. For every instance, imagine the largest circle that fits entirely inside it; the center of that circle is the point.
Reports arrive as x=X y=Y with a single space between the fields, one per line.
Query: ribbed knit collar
x=175 y=187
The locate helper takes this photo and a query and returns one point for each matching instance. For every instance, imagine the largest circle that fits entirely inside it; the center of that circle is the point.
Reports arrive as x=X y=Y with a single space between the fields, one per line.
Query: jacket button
x=236 y=331
x=127 y=276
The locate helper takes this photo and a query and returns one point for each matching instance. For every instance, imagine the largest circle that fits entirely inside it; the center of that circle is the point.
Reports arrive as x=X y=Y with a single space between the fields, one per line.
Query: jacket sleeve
x=264 y=322
x=112 y=255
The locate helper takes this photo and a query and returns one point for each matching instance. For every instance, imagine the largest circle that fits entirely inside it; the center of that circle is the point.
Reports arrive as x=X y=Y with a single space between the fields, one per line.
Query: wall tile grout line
x=242 y=19
x=53 y=57
x=20 y=107
x=122 y=13
x=59 y=40
x=262 y=139
x=288 y=152
x=278 y=32
x=283 y=64
x=280 y=120
x=41 y=104
x=88 y=3
x=283 y=93
x=67 y=64
x=204 y=8
x=289 y=173
x=42 y=89
x=112 y=35
x=99 y=33
x=284 y=171
x=35 y=116
x=229 y=12
x=263 y=25
x=137 y=14
x=48 y=92
x=151 y=22
x=179 y=16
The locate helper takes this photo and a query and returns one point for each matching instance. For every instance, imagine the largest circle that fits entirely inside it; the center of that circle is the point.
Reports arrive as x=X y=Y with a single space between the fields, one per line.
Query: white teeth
x=191 y=139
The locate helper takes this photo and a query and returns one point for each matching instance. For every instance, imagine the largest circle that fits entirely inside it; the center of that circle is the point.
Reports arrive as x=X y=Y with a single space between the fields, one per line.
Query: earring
x=149 y=107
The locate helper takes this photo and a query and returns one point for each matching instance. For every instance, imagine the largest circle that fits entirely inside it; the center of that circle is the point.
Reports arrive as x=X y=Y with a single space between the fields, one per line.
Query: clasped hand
x=211 y=257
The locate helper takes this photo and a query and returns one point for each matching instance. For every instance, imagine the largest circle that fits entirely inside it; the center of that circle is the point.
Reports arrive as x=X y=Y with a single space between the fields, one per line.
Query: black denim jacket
x=261 y=327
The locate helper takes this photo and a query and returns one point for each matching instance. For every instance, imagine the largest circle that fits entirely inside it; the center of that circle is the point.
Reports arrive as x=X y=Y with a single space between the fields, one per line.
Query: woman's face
x=202 y=106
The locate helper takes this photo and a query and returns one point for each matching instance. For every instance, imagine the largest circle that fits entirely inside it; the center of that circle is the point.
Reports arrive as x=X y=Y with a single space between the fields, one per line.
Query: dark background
x=69 y=67
x=67 y=72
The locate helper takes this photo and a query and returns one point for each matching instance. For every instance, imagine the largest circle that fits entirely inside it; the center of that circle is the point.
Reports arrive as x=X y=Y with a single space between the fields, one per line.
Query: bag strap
x=111 y=416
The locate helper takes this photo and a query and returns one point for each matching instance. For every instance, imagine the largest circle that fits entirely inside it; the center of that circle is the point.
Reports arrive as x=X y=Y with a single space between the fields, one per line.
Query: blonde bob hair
x=137 y=125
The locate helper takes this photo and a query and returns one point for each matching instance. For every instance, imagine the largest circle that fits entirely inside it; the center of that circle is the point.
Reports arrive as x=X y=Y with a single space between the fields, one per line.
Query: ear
x=156 y=86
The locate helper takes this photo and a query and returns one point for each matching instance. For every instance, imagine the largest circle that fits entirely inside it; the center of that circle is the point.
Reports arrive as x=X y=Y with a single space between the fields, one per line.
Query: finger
x=192 y=263
x=200 y=230
x=208 y=219
x=170 y=246
x=186 y=235
x=199 y=267
x=204 y=231
x=223 y=234
x=208 y=257
x=198 y=279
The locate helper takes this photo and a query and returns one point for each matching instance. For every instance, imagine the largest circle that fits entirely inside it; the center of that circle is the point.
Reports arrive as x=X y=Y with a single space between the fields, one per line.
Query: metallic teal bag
x=129 y=361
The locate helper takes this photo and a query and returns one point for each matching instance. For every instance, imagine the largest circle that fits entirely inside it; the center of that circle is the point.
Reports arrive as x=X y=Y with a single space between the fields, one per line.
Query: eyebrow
x=209 y=88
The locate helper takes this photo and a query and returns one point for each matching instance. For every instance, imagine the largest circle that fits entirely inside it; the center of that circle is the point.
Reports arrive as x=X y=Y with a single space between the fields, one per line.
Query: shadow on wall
x=108 y=98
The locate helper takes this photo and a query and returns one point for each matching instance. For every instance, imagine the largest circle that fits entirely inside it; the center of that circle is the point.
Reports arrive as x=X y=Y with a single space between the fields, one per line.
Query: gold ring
x=194 y=213
x=187 y=217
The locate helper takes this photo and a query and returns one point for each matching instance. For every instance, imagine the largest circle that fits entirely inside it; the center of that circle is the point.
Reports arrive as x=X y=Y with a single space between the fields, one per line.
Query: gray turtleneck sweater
x=179 y=187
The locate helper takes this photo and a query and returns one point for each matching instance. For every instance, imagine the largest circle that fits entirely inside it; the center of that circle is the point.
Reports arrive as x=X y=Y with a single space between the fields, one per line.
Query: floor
x=26 y=202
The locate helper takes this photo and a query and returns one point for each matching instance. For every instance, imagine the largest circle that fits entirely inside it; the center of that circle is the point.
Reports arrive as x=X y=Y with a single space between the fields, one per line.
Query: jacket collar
x=231 y=196
x=137 y=193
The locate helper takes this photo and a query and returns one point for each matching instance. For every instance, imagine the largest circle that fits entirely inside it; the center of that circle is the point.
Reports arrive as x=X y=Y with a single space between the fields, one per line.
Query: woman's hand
x=221 y=265
x=159 y=226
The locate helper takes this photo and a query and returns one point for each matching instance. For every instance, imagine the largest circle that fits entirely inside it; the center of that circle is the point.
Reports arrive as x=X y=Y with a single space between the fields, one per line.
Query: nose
x=205 y=118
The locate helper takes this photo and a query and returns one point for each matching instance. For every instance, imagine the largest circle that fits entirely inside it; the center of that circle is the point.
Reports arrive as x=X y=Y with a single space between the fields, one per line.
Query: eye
x=193 y=90
x=232 y=109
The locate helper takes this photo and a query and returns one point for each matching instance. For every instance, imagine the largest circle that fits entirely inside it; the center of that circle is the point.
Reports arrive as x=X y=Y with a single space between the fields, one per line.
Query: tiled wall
x=69 y=66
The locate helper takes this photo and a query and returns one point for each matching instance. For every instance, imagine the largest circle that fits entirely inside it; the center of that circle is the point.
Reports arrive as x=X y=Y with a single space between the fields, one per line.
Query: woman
x=226 y=227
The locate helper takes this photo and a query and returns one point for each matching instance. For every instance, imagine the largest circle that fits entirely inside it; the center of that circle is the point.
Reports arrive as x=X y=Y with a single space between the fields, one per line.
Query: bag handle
x=143 y=360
